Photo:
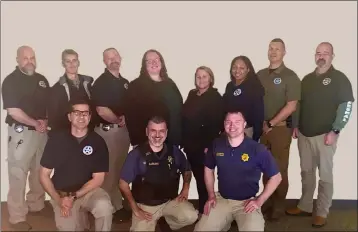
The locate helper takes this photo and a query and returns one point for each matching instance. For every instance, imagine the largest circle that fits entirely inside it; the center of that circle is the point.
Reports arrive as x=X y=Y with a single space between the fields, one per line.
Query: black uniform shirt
x=109 y=91
x=74 y=160
x=28 y=93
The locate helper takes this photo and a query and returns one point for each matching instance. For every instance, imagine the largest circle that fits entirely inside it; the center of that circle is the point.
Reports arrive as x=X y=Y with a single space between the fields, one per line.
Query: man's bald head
x=26 y=60
x=112 y=59
x=324 y=54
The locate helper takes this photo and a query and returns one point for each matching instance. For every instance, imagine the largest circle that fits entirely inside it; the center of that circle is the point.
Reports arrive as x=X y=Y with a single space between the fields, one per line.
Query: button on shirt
x=74 y=160
x=109 y=91
x=28 y=93
x=239 y=168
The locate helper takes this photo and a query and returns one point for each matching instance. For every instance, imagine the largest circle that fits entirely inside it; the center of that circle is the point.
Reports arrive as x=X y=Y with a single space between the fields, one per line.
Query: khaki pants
x=177 y=214
x=249 y=132
x=117 y=140
x=96 y=202
x=225 y=211
x=314 y=153
x=278 y=141
x=24 y=154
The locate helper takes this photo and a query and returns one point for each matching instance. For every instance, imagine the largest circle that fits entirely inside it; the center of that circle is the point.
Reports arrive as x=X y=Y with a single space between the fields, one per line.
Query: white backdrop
x=188 y=34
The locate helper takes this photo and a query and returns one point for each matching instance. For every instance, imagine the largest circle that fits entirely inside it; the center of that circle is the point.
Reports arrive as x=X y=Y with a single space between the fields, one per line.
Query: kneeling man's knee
x=103 y=207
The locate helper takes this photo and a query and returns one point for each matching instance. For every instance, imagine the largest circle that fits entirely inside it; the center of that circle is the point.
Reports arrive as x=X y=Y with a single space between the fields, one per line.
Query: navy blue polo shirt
x=248 y=98
x=239 y=168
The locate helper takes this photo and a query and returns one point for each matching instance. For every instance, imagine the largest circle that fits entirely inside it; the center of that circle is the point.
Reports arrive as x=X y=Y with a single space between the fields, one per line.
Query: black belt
x=20 y=128
x=107 y=127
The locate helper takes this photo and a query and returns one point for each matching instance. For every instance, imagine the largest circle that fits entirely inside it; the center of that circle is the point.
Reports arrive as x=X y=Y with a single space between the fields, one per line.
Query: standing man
x=282 y=91
x=154 y=169
x=70 y=86
x=108 y=97
x=240 y=162
x=325 y=109
x=79 y=159
x=24 y=92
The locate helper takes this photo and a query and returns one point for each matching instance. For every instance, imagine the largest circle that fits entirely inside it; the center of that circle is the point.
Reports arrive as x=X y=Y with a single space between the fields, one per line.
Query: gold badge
x=219 y=154
x=245 y=157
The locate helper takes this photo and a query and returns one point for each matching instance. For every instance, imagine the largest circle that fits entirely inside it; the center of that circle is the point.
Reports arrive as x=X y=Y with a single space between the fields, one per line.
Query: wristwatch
x=73 y=194
x=269 y=125
x=336 y=131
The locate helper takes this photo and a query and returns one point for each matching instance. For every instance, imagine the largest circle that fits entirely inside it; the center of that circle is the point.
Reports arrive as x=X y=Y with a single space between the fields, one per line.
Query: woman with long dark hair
x=202 y=123
x=153 y=93
x=245 y=93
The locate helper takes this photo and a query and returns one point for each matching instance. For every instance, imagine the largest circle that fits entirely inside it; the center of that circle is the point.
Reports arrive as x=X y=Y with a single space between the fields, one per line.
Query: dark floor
x=339 y=220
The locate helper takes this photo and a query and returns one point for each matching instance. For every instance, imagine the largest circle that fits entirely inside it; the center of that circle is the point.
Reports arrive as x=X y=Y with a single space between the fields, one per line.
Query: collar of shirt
x=278 y=70
x=331 y=69
x=109 y=74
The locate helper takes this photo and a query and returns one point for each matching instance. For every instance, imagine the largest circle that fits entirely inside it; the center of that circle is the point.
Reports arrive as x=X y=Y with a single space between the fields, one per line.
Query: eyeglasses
x=79 y=113
x=154 y=61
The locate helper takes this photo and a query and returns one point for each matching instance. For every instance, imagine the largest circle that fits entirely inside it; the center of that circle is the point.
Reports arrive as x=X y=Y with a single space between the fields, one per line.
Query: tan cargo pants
x=314 y=153
x=225 y=211
x=117 y=140
x=25 y=150
x=177 y=215
x=96 y=202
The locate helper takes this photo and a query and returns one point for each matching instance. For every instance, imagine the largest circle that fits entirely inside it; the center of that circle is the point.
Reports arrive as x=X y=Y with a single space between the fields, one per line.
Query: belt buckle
x=106 y=127
x=19 y=128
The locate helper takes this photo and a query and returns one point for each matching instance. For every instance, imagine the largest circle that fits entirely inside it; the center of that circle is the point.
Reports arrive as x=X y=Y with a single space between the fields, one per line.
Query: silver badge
x=326 y=81
x=19 y=128
x=277 y=81
x=87 y=150
x=237 y=92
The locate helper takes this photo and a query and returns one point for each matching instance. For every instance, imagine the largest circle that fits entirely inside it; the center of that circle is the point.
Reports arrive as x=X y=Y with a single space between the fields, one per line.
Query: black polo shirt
x=74 y=160
x=109 y=91
x=25 y=92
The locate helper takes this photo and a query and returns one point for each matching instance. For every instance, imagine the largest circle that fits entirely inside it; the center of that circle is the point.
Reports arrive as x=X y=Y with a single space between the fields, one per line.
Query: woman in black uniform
x=202 y=123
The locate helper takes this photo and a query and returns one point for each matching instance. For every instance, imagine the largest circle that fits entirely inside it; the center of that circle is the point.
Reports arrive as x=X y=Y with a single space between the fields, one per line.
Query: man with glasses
x=325 y=108
x=79 y=159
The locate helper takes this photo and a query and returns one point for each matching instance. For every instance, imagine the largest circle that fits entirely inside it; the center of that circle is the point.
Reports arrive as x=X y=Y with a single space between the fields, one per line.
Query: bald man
x=24 y=92
x=108 y=95
x=325 y=108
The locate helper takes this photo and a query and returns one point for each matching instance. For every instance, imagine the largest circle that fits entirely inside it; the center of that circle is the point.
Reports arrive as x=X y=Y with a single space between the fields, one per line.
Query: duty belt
x=66 y=194
x=107 y=127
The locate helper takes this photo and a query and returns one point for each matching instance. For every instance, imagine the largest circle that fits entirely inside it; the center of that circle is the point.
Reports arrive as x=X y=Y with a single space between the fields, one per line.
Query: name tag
x=219 y=154
x=153 y=164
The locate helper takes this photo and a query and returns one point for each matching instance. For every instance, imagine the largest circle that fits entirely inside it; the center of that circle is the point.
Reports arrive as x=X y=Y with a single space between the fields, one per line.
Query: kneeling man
x=154 y=170
x=240 y=162
x=79 y=158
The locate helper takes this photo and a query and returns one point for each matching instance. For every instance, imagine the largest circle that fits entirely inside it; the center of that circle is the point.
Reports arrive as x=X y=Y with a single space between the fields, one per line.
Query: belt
x=66 y=194
x=283 y=123
x=107 y=127
x=20 y=128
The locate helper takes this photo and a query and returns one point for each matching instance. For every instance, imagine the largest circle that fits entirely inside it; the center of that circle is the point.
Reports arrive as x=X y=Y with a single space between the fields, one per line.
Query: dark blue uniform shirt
x=136 y=165
x=248 y=99
x=240 y=168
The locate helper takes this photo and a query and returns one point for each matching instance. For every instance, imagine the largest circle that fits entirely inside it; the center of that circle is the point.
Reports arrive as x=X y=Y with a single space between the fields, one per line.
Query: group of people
x=80 y=130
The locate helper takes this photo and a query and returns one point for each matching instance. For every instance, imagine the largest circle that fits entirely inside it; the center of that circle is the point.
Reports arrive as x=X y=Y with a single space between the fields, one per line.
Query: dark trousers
x=196 y=160
x=278 y=141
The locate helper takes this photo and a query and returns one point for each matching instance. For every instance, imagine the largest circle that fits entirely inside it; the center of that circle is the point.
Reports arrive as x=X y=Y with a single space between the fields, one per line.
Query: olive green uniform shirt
x=321 y=96
x=281 y=86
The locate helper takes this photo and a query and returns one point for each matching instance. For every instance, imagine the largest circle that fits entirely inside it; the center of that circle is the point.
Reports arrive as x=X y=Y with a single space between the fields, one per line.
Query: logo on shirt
x=170 y=161
x=42 y=84
x=19 y=128
x=326 y=81
x=245 y=157
x=277 y=81
x=126 y=86
x=219 y=154
x=87 y=150
x=237 y=92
